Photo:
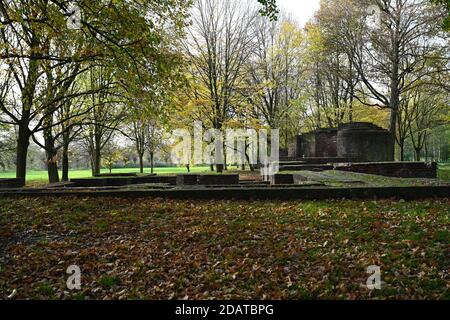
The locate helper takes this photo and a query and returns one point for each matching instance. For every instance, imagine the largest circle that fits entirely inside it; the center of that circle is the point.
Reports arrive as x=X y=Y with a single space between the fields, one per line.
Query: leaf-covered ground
x=162 y=249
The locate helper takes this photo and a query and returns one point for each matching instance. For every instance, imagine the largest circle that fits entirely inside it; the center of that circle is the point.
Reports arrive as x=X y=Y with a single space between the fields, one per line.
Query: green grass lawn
x=444 y=171
x=154 y=249
x=41 y=176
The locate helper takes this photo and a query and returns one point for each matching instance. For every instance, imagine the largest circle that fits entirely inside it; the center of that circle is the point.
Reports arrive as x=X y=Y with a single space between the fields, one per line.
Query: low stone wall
x=316 y=160
x=118 y=181
x=10 y=183
x=114 y=175
x=208 y=179
x=187 y=179
x=393 y=169
x=306 y=167
x=226 y=179
x=282 y=179
x=326 y=160
x=273 y=193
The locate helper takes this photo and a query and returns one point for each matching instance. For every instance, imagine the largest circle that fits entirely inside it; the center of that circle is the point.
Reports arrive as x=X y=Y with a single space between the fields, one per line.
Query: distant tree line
x=107 y=91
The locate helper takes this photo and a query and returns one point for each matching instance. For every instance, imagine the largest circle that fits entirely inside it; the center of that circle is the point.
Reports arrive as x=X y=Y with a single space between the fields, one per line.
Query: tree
x=445 y=4
x=111 y=154
x=331 y=79
x=219 y=46
x=154 y=140
x=274 y=70
x=7 y=146
x=392 y=57
x=106 y=111
x=426 y=109
x=33 y=33
x=145 y=131
x=269 y=9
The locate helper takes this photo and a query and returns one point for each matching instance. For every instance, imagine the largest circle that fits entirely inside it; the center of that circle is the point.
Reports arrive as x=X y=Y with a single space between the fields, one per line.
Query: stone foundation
x=114 y=175
x=207 y=179
x=306 y=167
x=117 y=182
x=10 y=183
x=393 y=169
x=187 y=179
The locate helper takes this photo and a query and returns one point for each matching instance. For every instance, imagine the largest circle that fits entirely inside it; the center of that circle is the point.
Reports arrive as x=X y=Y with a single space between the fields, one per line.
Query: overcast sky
x=301 y=10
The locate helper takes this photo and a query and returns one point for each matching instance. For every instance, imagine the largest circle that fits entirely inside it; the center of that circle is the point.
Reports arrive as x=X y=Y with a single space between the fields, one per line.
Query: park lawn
x=41 y=176
x=444 y=172
x=163 y=249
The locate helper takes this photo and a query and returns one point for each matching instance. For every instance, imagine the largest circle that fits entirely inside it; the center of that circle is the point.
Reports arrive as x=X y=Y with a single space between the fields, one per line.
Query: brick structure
x=358 y=141
x=317 y=144
x=326 y=143
x=365 y=142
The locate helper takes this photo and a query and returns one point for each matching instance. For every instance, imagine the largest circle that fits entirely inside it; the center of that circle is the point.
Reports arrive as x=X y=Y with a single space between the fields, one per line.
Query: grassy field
x=154 y=249
x=41 y=176
x=444 y=172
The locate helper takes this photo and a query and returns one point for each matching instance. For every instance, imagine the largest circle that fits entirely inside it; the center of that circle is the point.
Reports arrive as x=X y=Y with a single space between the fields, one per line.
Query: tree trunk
x=393 y=131
x=417 y=154
x=52 y=157
x=141 y=163
x=402 y=151
x=92 y=167
x=219 y=168
x=97 y=161
x=52 y=169
x=23 y=143
x=152 y=163
x=394 y=99
x=65 y=163
x=252 y=167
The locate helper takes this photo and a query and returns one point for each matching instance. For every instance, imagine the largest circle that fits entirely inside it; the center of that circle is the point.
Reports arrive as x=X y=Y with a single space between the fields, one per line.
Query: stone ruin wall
x=364 y=142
